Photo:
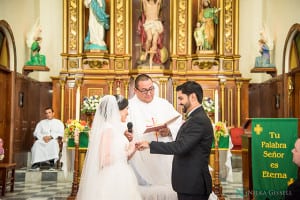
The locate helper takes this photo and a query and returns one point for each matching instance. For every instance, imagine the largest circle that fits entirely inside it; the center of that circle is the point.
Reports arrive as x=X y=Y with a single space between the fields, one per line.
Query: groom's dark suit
x=190 y=173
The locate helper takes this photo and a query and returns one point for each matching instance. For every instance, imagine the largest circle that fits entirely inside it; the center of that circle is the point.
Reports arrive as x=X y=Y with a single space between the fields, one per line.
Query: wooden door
x=4 y=107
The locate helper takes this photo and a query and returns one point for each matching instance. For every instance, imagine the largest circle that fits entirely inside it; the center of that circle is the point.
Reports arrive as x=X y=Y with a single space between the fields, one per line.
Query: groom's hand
x=142 y=145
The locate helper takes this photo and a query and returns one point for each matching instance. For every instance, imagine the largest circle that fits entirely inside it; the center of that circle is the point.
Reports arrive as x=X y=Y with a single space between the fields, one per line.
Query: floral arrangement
x=90 y=104
x=73 y=125
x=208 y=105
x=220 y=130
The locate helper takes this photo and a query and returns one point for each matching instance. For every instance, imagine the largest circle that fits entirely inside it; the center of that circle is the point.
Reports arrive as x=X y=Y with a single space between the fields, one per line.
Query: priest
x=147 y=110
x=45 y=147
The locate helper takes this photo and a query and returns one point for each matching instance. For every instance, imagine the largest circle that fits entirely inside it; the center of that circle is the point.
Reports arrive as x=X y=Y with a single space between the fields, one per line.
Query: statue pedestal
x=147 y=66
x=269 y=70
x=27 y=69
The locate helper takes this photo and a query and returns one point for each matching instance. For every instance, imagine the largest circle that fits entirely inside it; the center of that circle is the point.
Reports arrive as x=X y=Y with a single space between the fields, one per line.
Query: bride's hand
x=131 y=149
x=142 y=145
x=128 y=135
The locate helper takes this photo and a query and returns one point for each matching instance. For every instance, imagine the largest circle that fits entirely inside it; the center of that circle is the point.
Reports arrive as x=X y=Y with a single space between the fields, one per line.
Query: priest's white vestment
x=152 y=169
x=42 y=151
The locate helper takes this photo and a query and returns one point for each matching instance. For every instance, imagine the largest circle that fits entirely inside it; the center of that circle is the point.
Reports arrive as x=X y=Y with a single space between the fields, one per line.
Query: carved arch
x=291 y=72
x=8 y=46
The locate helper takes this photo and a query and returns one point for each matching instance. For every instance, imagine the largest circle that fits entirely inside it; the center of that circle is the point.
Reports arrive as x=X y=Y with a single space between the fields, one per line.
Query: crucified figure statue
x=152 y=27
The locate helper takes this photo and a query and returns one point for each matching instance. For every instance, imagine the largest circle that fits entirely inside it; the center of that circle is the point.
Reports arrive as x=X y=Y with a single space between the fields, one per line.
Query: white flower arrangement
x=208 y=105
x=90 y=104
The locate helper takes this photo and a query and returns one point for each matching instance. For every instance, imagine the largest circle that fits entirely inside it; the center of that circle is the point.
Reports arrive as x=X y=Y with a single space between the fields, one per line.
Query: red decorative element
x=236 y=137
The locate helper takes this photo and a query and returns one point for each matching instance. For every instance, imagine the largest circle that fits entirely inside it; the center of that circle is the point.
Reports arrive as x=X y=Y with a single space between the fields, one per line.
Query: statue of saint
x=98 y=23
x=265 y=46
x=208 y=18
x=199 y=37
x=33 y=41
x=264 y=59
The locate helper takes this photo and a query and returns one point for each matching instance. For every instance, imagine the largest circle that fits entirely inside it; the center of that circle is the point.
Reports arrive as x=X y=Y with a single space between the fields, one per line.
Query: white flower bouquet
x=90 y=104
x=208 y=105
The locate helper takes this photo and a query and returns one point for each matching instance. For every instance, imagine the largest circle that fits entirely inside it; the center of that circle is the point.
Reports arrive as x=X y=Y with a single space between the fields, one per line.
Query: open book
x=157 y=127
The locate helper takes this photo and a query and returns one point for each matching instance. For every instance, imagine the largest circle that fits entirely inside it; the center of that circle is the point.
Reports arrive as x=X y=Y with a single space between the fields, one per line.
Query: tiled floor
x=46 y=190
x=28 y=188
x=232 y=191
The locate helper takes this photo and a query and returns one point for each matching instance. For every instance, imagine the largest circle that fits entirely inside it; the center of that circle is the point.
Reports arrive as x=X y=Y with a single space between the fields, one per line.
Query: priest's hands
x=164 y=132
x=142 y=145
x=47 y=138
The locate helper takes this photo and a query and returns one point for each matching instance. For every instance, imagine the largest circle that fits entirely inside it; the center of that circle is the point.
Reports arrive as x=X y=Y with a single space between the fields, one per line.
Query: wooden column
x=75 y=184
x=217 y=188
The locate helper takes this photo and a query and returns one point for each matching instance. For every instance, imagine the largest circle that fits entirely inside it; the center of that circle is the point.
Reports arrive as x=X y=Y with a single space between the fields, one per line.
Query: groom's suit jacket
x=191 y=149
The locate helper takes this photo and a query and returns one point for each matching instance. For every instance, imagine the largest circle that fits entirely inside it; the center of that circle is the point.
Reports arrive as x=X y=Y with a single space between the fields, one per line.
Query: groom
x=190 y=174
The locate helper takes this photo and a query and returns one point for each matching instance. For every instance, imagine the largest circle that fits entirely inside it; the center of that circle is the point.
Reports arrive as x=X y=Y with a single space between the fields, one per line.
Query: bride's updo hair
x=122 y=101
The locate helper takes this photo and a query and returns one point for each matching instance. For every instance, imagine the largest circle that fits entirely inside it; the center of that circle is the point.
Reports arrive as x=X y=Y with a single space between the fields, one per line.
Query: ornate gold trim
x=228 y=22
x=230 y=107
x=239 y=86
x=62 y=82
x=204 y=64
x=95 y=64
x=182 y=19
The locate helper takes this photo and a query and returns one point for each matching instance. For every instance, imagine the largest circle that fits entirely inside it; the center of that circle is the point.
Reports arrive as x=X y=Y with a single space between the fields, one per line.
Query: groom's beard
x=185 y=107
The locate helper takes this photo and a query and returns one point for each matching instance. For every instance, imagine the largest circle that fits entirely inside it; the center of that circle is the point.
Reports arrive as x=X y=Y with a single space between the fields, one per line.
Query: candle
x=77 y=103
x=216 y=106
x=76 y=136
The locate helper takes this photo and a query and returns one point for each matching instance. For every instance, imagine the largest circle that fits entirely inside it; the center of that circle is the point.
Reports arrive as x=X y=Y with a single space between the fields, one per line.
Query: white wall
x=21 y=16
x=275 y=15
x=52 y=24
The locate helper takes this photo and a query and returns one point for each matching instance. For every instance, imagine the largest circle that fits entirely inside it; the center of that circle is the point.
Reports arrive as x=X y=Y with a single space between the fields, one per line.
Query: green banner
x=272 y=165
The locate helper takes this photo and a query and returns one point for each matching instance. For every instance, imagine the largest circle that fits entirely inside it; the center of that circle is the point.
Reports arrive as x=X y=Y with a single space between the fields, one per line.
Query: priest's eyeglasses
x=145 y=91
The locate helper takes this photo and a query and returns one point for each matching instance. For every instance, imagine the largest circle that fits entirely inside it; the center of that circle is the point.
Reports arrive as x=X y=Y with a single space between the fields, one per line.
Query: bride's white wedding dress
x=106 y=174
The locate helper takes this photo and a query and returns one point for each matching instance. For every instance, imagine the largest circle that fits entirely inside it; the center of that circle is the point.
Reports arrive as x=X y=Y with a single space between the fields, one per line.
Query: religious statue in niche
x=151 y=31
x=98 y=23
x=265 y=46
x=199 y=37
x=33 y=42
x=204 y=32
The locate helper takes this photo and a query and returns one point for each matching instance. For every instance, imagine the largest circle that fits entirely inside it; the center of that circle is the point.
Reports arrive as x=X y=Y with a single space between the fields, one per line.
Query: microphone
x=129 y=127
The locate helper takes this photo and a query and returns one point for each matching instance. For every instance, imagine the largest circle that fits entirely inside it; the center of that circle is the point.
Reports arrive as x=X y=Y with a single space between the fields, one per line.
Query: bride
x=106 y=173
